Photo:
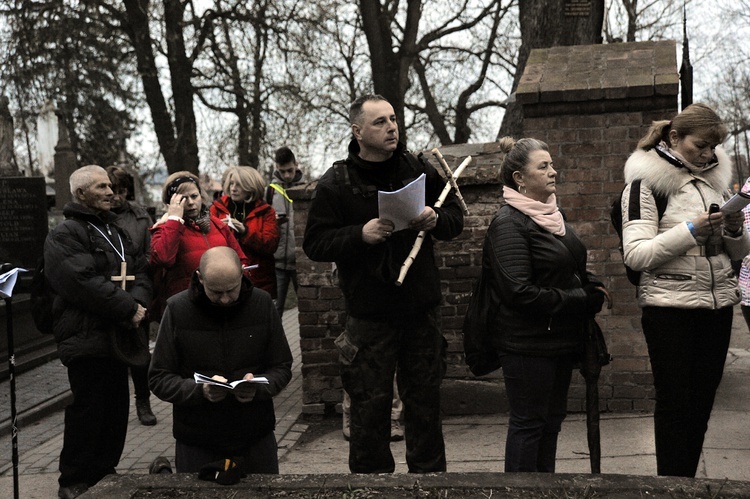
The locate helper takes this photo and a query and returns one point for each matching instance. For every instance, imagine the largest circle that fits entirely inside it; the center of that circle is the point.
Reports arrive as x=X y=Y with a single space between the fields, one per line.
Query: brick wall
x=592 y=121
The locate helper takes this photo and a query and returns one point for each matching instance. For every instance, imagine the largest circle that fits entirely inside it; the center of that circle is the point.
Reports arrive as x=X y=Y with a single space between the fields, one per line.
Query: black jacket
x=79 y=264
x=367 y=273
x=542 y=302
x=197 y=336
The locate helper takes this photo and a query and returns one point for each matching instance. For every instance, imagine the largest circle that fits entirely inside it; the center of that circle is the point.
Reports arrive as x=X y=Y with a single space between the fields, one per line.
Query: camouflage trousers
x=370 y=353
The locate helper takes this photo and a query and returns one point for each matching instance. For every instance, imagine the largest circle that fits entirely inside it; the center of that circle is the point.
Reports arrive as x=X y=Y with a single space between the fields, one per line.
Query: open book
x=203 y=379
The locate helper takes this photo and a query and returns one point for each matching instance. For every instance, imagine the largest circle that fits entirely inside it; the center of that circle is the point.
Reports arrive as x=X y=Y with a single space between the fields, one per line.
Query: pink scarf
x=546 y=215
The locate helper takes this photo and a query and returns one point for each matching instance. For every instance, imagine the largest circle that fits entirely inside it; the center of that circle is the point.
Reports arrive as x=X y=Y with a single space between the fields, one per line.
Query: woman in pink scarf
x=537 y=265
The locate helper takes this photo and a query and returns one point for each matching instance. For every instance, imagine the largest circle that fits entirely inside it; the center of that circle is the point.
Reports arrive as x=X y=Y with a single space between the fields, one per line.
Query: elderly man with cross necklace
x=101 y=289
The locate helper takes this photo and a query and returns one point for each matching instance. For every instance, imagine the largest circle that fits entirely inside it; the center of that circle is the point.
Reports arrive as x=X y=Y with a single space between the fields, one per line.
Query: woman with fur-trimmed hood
x=687 y=288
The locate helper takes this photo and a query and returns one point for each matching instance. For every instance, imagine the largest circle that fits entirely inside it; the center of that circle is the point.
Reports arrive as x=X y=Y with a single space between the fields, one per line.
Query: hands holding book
x=216 y=391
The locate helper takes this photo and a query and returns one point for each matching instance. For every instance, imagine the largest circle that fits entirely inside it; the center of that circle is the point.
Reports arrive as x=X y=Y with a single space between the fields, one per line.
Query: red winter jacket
x=260 y=240
x=176 y=251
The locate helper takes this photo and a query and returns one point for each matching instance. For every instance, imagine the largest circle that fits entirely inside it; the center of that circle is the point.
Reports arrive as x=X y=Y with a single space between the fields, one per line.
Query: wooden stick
x=447 y=170
x=420 y=237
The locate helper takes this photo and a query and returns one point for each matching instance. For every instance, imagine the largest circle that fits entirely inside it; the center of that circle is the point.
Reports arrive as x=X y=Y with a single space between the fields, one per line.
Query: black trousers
x=414 y=348
x=140 y=381
x=688 y=348
x=261 y=457
x=96 y=423
x=537 y=389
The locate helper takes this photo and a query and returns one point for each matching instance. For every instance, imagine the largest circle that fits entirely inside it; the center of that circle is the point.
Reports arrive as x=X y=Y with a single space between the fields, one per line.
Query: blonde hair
x=517 y=157
x=247 y=178
x=696 y=119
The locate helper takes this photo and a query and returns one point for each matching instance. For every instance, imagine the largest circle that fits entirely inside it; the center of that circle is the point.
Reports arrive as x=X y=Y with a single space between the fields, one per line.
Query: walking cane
x=9 y=277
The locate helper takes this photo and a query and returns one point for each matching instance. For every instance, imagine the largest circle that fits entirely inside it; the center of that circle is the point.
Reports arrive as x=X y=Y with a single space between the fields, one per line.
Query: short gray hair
x=82 y=177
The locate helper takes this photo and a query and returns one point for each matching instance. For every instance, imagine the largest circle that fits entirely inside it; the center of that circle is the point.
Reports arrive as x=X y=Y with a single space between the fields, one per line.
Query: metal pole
x=12 y=376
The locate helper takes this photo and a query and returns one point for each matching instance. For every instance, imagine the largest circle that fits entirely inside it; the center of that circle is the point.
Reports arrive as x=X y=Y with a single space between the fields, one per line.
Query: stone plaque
x=577 y=8
x=23 y=220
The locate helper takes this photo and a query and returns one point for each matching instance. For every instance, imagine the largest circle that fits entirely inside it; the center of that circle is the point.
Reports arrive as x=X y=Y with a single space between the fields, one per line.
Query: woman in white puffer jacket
x=687 y=288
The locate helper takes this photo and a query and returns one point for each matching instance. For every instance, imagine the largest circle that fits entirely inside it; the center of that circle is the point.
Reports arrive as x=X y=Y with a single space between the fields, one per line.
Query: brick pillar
x=592 y=104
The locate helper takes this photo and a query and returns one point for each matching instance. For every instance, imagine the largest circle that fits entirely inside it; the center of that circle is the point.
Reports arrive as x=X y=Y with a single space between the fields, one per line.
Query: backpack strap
x=344 y=174
x=634 y=203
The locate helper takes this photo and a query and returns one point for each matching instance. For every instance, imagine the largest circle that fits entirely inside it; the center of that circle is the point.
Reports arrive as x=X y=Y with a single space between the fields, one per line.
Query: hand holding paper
x=403 y=205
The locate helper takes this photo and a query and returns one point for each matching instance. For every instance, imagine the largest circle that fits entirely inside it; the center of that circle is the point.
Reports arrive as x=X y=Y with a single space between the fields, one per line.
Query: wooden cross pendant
x=123 y=277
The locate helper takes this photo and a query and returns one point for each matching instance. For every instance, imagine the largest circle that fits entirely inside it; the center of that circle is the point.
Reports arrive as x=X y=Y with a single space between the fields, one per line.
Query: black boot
x=143 y=409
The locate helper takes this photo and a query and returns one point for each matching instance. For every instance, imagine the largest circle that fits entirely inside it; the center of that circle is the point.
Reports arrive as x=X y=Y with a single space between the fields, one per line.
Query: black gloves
x=594 y=299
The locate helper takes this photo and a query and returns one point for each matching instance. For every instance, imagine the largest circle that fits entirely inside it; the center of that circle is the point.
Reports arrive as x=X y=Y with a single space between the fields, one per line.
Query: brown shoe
x=159 y=466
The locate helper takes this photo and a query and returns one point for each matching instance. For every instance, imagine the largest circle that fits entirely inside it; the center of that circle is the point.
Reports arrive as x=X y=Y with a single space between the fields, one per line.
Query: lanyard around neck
x=120 y=253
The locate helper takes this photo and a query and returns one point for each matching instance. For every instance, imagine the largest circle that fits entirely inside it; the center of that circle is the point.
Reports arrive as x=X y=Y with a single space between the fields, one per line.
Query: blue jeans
x=687 y=348
x=282 y=287
x=537 y=389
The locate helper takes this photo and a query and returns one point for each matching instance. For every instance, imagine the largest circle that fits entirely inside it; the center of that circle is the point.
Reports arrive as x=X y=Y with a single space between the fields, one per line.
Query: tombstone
x=23 y=220
x=7 y=167
x=47 y=134
x=65 y=165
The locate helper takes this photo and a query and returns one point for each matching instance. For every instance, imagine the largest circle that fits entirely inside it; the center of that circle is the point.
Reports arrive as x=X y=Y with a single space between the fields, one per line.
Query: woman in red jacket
x=253 y=222
x=182 y=235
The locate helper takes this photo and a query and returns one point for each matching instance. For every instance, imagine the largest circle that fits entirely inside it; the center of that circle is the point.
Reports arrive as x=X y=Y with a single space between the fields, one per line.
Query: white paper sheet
x=736 y=203
x=403 y=205
x=8 y=282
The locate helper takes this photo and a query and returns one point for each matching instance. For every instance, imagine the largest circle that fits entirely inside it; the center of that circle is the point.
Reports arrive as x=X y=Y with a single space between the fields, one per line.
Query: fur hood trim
x=666 y=179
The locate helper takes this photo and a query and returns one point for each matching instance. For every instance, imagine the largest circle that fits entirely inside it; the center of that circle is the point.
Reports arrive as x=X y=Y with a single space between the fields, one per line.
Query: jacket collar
x=369 y=165
x=78 y=210
x=666 y=176
x=197 y=295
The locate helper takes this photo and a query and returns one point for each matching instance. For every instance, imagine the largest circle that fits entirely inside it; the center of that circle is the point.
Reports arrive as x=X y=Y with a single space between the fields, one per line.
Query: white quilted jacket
x=675 y=271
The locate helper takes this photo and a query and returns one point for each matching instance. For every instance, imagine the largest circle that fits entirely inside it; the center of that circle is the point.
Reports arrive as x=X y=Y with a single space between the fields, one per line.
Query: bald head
x=220 y=272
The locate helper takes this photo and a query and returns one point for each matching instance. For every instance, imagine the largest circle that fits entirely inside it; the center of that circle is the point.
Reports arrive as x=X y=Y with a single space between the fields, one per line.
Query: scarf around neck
x=546 y=215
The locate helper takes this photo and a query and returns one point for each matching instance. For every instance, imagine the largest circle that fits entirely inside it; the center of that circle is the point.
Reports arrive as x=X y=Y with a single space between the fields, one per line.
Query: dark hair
x=355 y=109
x=696 y=119
x=517 y=157
x=283 y=156
x=120 y=177
x=177 y=179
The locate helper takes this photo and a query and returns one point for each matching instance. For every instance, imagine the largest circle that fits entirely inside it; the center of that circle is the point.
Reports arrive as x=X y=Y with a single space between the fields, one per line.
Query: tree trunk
x=390 y=69
x=544 y=24
x=139 y=32
x=180 y=69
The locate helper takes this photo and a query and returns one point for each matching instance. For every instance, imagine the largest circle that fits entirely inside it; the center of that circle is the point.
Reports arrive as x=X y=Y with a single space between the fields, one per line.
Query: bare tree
x=631 y=20
x=397 y=48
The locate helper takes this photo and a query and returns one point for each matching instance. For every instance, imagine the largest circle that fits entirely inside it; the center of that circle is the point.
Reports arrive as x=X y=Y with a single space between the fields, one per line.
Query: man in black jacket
x=389 y=328
x=226 y=329
x=84 y=256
